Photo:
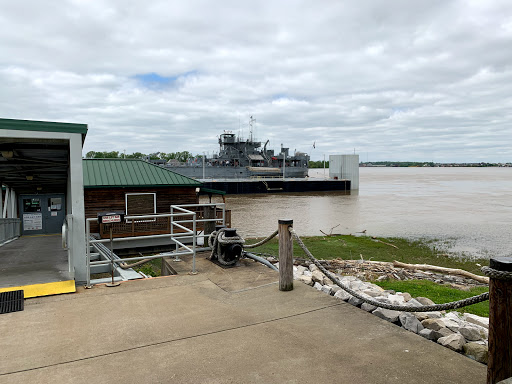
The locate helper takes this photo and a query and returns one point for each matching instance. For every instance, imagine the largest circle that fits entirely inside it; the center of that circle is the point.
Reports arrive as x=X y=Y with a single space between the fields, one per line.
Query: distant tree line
x=318 y=164
x=180 y=156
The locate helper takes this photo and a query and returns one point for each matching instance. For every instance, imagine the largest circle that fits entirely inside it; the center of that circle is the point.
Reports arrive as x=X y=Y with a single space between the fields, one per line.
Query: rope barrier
x=405 y=308
x=266 y=240
x=495 y=274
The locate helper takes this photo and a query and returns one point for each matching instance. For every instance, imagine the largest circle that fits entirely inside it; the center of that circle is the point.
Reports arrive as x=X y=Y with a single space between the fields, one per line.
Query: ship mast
x=251 y=121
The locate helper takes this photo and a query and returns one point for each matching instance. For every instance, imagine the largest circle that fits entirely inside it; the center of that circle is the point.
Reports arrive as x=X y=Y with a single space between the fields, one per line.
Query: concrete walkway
x=220 y=326
x=33 y=260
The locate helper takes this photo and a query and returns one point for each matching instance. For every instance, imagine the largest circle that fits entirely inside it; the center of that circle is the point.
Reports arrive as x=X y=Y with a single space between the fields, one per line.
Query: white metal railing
x=9 y=229
x=179 y=233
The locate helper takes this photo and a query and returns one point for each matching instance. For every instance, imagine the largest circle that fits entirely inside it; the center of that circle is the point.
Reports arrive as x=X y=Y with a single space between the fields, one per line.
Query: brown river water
x=469 y=210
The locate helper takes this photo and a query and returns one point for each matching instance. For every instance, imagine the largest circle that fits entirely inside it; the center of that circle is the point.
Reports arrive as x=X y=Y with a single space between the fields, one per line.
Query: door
x=42 y=214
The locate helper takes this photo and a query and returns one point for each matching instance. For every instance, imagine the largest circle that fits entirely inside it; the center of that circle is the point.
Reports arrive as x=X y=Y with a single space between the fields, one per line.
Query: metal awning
x=256 y=157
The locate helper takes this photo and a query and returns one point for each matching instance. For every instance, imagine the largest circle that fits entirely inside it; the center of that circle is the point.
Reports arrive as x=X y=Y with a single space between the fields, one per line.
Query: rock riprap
x=464 y=333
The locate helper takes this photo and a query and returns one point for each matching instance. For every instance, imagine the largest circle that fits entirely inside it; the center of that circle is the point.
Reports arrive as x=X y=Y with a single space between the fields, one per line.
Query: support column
x=76 y=197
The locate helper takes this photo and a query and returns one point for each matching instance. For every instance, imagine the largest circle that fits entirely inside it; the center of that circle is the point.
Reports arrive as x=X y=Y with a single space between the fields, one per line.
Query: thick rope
x=266 y=240
x=495 y=274
x=376 y=303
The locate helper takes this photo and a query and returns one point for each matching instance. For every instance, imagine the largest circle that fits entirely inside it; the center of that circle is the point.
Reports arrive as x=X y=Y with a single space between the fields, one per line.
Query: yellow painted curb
x=36 y=290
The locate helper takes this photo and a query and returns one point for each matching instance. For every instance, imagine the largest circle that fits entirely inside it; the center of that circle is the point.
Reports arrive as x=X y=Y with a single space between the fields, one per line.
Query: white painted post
x=4 y=212
x=14 y=213
x=77 y=207
x=1 y=200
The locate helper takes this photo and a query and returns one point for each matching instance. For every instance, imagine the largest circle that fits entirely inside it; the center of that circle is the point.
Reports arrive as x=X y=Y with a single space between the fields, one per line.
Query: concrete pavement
x=220 y=326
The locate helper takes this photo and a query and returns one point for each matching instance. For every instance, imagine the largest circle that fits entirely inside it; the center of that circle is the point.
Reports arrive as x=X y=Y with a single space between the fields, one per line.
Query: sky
x=390 y=80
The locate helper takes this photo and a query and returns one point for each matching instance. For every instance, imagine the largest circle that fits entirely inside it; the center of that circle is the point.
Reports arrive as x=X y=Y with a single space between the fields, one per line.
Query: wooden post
x=209 y=226
x=499 y=366
x=285 y=256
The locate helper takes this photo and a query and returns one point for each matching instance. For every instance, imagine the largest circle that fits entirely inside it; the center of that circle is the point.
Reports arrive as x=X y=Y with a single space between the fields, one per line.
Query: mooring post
x=285 y=256
x=499 y=366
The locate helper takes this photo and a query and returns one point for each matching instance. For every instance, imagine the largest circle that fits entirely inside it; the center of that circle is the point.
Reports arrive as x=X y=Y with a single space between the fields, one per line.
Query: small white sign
x=111 y=219
x=54 y=213
x=32 y=221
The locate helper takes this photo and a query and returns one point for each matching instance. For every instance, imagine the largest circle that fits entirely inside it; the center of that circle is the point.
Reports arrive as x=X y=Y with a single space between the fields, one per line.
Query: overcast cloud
x=394 y=80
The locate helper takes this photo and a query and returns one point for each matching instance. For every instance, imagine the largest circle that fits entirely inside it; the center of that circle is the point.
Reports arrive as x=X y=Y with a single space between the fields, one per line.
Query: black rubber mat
x=11 y=301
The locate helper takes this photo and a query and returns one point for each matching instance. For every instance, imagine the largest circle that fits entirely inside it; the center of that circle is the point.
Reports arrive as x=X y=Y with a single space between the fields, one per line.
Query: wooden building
x=134 y=187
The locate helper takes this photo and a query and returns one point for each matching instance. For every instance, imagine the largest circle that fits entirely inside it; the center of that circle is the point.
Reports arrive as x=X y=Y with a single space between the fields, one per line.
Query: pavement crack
x=171 y=340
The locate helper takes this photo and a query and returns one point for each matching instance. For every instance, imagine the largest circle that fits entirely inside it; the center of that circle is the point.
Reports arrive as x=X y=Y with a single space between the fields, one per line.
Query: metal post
x=194 y=245
x=88 y=254
x=112 y=284
x=499 y=366
x=285 y=256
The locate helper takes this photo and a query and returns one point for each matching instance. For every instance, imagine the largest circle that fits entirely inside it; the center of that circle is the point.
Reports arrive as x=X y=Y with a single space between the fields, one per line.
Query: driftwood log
x=449 y=271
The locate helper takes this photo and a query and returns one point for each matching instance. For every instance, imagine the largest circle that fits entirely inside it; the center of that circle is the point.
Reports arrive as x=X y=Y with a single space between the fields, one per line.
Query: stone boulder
x=425 y=301
x=387 y=314
x=410 y=322
x=451 y=324
x=427 y=334
x=477 y=351
x=443 y=332
x=305 y=279
x=368 y=307
x=355 y=301
x=455 y=342
x=326 y=289
x=313 y=267
x=407 y=296
x=342 y=295
x=478 y=320
x=473 y=332
x=433 y=324
x=318 y=277
x=318 y=286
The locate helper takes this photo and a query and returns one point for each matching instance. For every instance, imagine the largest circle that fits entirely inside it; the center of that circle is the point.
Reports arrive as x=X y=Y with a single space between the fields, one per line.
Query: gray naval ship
x=242 y=159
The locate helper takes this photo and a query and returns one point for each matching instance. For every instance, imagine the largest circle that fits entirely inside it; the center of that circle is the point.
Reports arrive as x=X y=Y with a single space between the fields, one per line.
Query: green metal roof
x=44 y=126
x=131 y=173
x=207 y=191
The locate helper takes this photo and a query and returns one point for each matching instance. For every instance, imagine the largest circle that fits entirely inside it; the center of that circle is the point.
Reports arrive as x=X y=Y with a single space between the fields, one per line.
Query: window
x=140 y=204
x=31 y=205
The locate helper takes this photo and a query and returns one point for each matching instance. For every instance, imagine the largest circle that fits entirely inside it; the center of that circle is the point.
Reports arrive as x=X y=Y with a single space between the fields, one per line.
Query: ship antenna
x=251 y=121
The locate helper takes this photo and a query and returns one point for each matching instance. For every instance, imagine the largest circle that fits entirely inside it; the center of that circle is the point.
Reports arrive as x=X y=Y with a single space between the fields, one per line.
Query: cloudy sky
x=392 y=80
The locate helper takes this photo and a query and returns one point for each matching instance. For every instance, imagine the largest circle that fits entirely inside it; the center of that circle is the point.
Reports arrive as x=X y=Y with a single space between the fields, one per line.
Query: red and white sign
x=111 y=219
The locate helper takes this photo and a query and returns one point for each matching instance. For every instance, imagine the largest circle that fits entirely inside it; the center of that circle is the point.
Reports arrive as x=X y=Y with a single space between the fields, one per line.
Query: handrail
x=176 y=237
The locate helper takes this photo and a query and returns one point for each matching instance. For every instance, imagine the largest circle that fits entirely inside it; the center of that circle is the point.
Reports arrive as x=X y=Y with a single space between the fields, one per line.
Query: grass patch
x=349 y=247
x=151 y=268
x=439 y=293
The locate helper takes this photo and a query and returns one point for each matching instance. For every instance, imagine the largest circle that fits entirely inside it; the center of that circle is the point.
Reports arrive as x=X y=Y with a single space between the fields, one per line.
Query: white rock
x=300 y=269
x=334 y=289
x=478 y=320
x=327 y=281
x=410 y=322
x=374 y=287
x=307 y=272
x=387 y=314
x=425 y=301
x=451 y=324
x=342 y=295
x=454 y=341
x=356 y=285
x=295 y=270
x=472 y=332
x=326 y=289
x=313 y=267
x=306 y=279
x=433 y=324
x=372 y=292
x=396 y=299
x=455 y=316
x=407 y=296
x=318 y=277
x=318 y=286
